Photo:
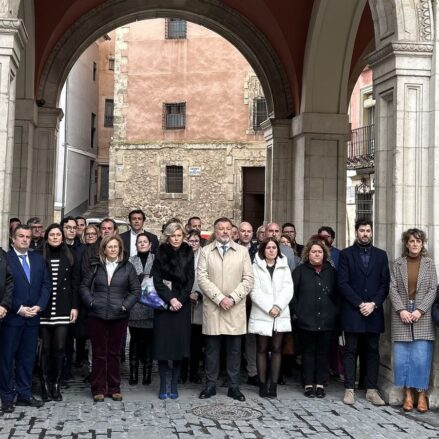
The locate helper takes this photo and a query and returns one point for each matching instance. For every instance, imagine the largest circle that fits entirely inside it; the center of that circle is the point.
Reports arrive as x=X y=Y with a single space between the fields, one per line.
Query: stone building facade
x=187 y=111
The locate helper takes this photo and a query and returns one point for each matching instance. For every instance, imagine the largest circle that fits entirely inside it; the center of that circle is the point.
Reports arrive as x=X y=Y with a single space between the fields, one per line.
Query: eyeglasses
x=193 y=241
x=36 y=227
x=91 y=234
x=70 y=227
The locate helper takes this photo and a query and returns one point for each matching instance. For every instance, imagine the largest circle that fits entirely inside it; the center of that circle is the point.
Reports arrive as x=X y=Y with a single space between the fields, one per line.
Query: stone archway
x=211 y=14
x=114 y=13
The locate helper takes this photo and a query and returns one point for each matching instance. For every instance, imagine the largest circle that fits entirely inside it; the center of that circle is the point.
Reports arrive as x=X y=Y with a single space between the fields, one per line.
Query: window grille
x=260 y=113
x=175 y=29
x=174 y=116
x=174 y=179
x=109 y=113
x=95 y=69
x=111 y=63
x=363 y=201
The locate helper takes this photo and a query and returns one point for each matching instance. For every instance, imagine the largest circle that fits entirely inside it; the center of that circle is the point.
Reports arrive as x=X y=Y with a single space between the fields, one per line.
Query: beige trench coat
x=218 y=277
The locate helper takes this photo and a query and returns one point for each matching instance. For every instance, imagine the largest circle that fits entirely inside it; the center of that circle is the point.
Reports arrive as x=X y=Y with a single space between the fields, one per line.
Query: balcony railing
x=361 y=148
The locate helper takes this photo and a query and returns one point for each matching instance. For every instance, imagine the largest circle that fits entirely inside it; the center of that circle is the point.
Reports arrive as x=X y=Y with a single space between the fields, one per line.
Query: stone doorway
x=253 y=195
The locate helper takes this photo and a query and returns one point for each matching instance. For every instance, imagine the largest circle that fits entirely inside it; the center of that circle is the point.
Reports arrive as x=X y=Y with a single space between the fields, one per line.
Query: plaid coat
x=423 y=329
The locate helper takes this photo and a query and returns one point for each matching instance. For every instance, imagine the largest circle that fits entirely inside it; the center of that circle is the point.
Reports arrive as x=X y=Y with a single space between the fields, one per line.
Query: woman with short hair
x=412 y=293
x=110 y=288
x=173 y=274
x=141 y=317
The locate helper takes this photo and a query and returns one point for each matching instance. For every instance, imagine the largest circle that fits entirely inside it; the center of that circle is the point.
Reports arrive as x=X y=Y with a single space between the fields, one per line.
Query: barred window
x=174 y=116
x=175 y=29
x=260 y=113
x=174 y=179
x=111 y=63
x=363 y=201
x=109 y=113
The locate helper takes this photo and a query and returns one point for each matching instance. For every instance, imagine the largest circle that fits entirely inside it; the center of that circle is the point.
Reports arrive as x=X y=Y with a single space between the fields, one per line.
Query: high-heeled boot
x=44 y=379
x=134 y=363
x=147 y=370
x=56 y=390
x=422 y=402
x=408 y=399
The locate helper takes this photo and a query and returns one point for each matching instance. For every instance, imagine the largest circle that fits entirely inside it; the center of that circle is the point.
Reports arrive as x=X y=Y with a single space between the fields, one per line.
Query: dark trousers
x=140 y=346
x=106 y=340
x=18 y=345
x=233 y=358
x=315 y=356
x=197 y=344
x=371 y=345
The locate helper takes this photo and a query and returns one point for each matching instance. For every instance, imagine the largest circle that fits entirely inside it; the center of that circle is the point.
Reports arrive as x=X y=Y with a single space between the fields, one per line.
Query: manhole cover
x=226 y=412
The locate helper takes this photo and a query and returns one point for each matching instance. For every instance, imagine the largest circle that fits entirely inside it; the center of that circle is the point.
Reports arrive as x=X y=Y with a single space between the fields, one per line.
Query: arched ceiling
x=284 y=23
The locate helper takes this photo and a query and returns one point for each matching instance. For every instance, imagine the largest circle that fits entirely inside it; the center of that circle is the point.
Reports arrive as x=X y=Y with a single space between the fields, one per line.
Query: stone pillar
x=25 y=123
x=306 y=172
x=13 y=38
x=406 y=171
x=43 y=159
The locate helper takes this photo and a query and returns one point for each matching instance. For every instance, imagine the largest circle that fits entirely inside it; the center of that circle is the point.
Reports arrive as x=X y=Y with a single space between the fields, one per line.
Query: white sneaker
x=374 y=397
x=349 y=397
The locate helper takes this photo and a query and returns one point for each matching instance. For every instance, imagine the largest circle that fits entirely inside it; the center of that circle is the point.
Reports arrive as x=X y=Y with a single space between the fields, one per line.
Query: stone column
x=406 y=171
x=306 y=173
x=13 y=38
x=25 y=123
x=43 y=164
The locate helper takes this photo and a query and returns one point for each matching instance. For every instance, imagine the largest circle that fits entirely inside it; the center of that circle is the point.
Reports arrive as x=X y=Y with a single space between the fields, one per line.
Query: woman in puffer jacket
x=270 y=315
x=109 y=289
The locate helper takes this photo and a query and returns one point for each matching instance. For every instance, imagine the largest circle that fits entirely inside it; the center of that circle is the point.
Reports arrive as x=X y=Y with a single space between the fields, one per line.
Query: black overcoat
x=358 y=284
x=172 y=329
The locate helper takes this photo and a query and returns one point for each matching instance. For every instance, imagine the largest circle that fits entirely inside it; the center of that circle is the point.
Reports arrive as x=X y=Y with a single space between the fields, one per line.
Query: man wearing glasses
x=37 y=233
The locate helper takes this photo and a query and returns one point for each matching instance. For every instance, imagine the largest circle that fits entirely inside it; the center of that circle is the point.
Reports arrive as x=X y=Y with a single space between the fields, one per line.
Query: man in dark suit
x=363 y=276
x=137 y=221
x=19 y=332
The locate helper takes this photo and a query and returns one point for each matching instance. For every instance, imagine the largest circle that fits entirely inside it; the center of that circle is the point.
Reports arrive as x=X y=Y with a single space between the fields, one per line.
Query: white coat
x=268 y=292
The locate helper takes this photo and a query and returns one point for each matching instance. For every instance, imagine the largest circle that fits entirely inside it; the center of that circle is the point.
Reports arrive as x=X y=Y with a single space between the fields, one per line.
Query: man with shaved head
x=273 y=230
x=245 y=231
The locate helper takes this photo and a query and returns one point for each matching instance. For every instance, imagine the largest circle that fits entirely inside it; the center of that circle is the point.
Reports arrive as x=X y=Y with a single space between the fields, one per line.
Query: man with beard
x=363 y=277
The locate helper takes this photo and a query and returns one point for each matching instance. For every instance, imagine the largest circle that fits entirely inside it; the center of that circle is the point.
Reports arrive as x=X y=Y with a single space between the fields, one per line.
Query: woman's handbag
x=149 y=296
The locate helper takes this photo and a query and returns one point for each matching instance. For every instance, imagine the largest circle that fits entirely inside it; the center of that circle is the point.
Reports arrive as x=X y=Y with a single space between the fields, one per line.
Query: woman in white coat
x=270 y=315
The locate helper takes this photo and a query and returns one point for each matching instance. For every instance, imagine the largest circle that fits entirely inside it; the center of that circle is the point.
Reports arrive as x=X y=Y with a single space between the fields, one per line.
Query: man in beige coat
x=225 y=277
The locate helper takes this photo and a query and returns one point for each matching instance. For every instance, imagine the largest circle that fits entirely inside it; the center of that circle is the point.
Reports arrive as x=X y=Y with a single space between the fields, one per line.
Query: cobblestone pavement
x=142 y=415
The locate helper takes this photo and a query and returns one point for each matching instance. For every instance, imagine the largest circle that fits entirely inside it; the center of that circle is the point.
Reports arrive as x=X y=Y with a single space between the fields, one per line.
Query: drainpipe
x=64 y=182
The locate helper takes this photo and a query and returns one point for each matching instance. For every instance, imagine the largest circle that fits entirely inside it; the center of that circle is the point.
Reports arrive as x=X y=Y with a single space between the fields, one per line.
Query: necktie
x=26 y=267
x=224 y=247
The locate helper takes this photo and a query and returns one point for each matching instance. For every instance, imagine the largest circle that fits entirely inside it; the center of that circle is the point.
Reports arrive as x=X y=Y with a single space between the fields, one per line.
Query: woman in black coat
x=173 y=274
x=315 y=309
x=61 y=311
x=109 y=289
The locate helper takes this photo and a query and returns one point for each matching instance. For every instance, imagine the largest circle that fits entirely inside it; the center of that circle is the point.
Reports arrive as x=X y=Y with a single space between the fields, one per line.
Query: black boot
x=272 y=391
x=44 y=379
x=134 y=374
x=56 y=389
x=134 y=362
x=263 y=390
x=147 y=370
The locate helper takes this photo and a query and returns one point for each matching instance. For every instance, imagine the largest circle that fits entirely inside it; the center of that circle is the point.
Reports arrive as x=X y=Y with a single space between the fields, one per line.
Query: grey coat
x=423 y=329
x=141 y=316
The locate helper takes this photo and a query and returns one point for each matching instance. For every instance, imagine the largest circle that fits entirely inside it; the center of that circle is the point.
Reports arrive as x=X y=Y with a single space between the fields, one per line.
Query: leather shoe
x=31 y=402
x=235 y=393
x=207 y=392
x=7 y=407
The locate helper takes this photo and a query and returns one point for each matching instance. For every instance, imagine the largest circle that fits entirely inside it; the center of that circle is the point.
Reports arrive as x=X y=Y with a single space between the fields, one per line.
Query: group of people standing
x=215 y=293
